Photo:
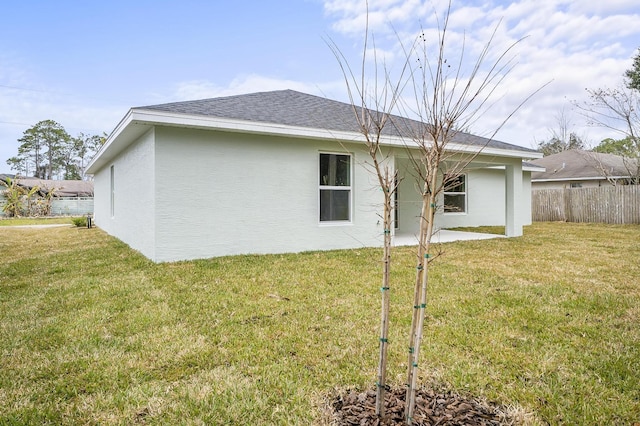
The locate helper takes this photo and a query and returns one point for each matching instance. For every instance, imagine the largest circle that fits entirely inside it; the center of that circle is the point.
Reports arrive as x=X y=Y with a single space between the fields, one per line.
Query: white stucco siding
x=486 y=198
x=526 y=191
x=485 y=192
x=228 y=193
x=409 y=202
x=101 y=190
x=485 y=201
x=132 y=217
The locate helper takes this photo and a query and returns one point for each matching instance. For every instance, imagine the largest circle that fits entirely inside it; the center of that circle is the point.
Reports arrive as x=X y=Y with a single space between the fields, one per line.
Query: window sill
x=335 y=223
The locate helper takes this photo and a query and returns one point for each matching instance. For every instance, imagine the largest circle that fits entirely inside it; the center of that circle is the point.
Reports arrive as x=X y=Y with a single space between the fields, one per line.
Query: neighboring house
x=70 y=197
x=278 y=172
x=581 y=169
x=60 y=188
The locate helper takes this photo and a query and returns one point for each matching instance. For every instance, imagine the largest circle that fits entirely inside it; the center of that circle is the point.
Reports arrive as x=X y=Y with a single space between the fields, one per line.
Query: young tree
x=614 y=109
x=617 y=110
x=373 y=103
x=444 y=101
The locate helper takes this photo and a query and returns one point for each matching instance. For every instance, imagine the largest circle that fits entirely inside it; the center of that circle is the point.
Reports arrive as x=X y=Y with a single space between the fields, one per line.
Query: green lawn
x=93 y=333
x=35 y=221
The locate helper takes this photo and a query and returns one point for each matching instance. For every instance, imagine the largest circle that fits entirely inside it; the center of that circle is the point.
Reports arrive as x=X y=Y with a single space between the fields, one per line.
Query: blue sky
x=84 y=64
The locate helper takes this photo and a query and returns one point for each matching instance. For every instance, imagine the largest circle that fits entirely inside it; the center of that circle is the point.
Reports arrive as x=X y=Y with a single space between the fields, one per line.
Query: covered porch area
x=494 y=191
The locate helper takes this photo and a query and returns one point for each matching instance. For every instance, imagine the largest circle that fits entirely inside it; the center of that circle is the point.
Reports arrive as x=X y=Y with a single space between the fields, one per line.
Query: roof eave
x=138 y=120
x=579 y=178
x=114 y=141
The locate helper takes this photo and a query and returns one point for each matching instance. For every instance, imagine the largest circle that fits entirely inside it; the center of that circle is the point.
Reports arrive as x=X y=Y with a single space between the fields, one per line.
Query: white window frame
x=112 y=191
x=465 y=193
x=348 y=188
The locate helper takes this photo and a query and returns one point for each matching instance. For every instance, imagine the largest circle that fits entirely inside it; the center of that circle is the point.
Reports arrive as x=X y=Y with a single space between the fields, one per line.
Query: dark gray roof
x=578 y=164
x=292 y=108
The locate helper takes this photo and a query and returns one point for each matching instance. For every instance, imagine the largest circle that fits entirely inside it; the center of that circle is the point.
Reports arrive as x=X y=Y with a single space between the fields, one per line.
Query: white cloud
x=576 y=45
x=604 y=7
x=202 y=89
x=382 y=15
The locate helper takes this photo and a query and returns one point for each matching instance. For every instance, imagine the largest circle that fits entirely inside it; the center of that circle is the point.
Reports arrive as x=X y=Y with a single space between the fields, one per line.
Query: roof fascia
x=579 y=178
x=112 y=140
x=525 y=168
x=233 y=125
x=144 y=118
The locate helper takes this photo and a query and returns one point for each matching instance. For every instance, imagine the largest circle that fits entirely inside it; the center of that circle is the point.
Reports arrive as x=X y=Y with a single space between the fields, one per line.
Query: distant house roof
x=577 y=164
x=62 y=188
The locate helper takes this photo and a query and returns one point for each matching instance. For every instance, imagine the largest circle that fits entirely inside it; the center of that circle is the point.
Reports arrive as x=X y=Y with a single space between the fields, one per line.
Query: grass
x=35 y=221
x=498 y=230
x=93 y=333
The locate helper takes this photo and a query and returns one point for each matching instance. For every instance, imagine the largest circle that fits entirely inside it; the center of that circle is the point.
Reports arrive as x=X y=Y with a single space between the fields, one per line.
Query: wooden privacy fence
x=605 y=204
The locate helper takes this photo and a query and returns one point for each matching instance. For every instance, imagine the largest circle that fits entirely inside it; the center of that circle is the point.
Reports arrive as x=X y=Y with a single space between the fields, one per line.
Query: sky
x=84 y=64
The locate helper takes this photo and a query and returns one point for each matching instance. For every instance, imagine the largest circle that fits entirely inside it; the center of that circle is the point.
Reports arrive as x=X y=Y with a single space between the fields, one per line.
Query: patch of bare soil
x=432 y=408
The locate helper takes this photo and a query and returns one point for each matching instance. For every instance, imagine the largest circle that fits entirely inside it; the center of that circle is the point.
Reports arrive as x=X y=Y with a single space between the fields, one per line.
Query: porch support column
x=514 y=199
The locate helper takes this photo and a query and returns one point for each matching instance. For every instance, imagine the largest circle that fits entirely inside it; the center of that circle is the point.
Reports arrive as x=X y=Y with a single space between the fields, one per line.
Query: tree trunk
x=384 y=316
x=420 y=296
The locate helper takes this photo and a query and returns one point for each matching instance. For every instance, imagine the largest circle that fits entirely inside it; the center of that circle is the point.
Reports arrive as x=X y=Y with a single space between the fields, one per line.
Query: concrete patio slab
x=443 y=236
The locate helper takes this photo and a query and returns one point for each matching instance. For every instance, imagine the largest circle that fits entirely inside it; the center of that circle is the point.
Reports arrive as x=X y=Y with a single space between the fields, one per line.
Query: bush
x=79 y=221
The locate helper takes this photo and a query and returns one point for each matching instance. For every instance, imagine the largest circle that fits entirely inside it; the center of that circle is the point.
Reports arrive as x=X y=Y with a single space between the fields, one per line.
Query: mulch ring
x=432 y=408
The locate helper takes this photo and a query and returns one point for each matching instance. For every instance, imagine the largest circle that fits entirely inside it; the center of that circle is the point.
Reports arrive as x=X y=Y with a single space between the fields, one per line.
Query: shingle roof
x=292 y=108
x=62 y=188
x=578 y=164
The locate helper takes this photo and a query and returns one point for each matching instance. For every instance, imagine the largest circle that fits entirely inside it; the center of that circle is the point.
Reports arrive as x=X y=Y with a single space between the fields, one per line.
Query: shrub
x=79 y=221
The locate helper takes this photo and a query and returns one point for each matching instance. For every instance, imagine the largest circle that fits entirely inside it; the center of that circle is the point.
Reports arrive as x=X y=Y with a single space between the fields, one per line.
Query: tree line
x=47 y=151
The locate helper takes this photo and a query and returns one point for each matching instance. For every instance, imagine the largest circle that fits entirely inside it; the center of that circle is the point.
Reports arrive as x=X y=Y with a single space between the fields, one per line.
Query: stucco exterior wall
x=485 y=201
x=230 y=193
x=409 y=201
x=133 y=219
x=183 y=193
x=526 y=192
x=486 y=193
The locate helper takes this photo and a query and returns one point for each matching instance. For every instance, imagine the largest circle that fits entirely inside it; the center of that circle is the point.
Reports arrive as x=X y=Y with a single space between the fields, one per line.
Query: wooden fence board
x=605 y=204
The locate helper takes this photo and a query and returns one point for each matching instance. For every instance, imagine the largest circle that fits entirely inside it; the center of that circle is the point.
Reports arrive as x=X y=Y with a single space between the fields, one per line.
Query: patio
x=443 y=236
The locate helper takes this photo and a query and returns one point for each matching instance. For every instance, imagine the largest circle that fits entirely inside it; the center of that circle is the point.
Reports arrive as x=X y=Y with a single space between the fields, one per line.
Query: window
x=112 y=192
x=335 y=187
x=455 y=195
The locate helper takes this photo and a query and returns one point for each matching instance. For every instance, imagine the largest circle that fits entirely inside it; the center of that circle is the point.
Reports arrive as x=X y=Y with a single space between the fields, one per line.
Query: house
x=276 y=172
x=60 y=188
x=582 y=169
x=68 y=197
